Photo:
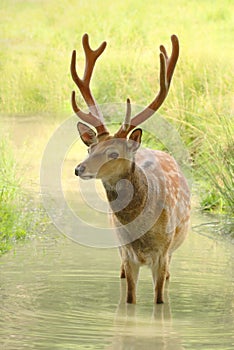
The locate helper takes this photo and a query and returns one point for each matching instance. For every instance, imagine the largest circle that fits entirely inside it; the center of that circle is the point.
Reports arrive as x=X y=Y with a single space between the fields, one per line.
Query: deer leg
x=122 y=271
x=168 y=269
x=131 y=272
x=159 y=273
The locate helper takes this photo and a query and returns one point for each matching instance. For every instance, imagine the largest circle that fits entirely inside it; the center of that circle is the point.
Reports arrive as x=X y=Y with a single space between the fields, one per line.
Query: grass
x=217 y=171
x=16 y=218
x=38 y=37
x=10 y=216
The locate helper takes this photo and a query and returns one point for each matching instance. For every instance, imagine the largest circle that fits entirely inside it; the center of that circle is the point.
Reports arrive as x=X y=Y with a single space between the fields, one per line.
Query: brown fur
x=158 y=180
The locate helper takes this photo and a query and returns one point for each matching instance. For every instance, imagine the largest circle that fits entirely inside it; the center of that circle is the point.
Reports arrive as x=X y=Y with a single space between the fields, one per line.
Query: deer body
x=147 y=192
x=155 y=247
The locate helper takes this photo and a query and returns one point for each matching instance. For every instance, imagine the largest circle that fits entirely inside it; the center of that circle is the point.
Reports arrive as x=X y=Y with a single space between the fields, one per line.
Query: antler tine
x=95 y=116
x=127 y=119
x=124 y=129
x=91 y=57
x=171 y=62
x=167 y=67
x=88 y=117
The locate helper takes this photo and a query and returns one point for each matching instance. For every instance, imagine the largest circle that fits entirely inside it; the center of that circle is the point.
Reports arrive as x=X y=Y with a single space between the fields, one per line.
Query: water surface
x=56 y=294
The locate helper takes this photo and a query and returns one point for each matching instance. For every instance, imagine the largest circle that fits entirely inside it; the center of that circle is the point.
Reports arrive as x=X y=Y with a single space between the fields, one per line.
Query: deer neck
x=127 y=193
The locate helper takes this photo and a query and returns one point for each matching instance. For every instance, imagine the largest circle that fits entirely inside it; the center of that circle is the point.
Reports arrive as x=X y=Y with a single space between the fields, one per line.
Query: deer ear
x=88 y=136
x=134 y=141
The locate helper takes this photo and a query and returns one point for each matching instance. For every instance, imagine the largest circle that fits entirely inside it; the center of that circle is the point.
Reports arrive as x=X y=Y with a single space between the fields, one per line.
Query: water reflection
x=154 y=331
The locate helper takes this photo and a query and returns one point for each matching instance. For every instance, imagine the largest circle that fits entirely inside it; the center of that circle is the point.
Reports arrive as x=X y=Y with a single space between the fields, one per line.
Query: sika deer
x=148 y=194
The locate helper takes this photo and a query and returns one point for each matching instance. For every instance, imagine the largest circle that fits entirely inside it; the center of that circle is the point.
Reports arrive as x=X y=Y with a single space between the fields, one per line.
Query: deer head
x=109 y=155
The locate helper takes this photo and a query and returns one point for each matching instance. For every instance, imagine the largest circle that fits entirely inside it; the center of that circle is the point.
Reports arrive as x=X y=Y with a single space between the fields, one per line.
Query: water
x=56 y=294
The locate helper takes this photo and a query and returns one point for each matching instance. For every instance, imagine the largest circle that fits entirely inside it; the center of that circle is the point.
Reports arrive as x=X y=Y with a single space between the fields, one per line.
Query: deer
x=147 y=192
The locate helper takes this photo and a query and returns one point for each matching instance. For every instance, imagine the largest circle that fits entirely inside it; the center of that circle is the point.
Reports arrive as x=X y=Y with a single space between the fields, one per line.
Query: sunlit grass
x=37 y=38
x=9 y=199
x=217 y=169
x=16 y=218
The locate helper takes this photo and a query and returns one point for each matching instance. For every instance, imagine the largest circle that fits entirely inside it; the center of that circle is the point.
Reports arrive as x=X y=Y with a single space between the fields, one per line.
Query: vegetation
x=216 y=168
x=20 y=215
x=13 y=221
x=37 y=38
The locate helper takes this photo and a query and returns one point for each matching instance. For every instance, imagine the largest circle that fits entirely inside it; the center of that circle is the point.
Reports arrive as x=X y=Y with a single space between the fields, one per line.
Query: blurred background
x=37 y=38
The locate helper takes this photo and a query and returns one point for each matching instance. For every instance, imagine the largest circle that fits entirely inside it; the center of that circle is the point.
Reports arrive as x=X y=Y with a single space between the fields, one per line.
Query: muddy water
x=56 y=294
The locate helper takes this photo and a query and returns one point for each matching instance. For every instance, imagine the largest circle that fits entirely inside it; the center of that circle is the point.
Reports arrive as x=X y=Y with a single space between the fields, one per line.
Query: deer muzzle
x=79 y=170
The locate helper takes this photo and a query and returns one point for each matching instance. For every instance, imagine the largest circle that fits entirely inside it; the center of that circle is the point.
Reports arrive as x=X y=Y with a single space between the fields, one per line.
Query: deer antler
x=127 y=119
x=167 y=66
x=94 y=117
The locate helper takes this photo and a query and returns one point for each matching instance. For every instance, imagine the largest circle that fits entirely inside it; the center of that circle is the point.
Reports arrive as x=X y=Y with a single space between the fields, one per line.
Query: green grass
x=16 y=219
x=37 y=38
x=215 y=166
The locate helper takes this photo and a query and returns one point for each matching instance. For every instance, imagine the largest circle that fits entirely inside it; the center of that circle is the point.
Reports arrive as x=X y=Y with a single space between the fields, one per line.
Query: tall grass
x=38 y=37
x=16 y=222
x=216 y=168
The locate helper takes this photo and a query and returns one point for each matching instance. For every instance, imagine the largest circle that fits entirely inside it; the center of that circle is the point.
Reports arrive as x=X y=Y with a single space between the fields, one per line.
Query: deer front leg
x=168 y=268
x=131 y=272
x=122 y=271
x=159 y=273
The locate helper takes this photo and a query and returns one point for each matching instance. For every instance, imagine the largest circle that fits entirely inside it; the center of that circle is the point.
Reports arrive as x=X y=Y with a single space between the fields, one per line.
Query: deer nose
x=79 y=170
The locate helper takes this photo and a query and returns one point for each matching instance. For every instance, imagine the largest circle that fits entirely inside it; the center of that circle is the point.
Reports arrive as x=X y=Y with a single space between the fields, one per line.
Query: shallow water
x=56 y=294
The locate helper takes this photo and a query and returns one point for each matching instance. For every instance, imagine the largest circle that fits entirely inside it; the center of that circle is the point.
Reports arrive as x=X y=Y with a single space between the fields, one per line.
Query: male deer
x=136 y=180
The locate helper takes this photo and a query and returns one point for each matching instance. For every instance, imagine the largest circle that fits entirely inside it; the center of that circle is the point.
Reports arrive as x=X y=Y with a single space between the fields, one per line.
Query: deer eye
x=113 y=155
